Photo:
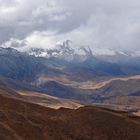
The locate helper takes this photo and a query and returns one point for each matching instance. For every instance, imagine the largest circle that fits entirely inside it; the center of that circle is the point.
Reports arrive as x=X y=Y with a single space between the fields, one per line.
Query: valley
x=95 y=84
x=80 y=100
x=69 y=70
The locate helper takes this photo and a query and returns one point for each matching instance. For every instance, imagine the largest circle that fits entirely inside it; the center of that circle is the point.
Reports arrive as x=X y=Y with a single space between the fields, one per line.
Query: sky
x=106 y=24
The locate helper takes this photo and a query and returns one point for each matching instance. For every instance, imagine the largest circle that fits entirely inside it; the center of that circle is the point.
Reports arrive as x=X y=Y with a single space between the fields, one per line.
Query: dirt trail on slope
x=92 y=85
x=84 y=85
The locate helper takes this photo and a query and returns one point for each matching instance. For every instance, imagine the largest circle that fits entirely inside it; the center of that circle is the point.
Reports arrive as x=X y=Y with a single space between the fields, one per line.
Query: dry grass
x=47 y=100
x=92 y=85
x=26 y=121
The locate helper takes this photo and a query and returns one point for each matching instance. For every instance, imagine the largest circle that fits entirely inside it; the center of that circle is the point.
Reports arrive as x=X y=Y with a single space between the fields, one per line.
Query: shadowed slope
x=25 y=121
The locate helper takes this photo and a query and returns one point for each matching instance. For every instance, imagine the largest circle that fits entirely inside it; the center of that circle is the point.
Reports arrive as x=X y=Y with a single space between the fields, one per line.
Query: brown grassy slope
x=38 y=98
x=25 y=121
x=47 y=100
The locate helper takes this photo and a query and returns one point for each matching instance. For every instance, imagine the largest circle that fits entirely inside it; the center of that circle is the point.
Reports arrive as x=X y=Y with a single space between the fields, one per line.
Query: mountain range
x=95 y=79
x=69 y=95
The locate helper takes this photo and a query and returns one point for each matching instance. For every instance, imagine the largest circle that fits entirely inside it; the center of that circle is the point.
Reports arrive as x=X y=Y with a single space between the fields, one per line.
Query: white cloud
x=108 y=24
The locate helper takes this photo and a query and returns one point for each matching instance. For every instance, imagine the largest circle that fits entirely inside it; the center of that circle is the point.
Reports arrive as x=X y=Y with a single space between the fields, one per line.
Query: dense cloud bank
x=113 y=24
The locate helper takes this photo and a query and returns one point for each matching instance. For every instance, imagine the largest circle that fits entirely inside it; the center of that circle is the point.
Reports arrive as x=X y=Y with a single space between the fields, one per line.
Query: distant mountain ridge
x=85 y=52
x=11 y=59
x=72 y=79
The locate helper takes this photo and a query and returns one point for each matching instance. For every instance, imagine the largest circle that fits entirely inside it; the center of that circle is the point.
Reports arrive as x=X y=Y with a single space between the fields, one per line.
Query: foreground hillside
x=26 y=121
